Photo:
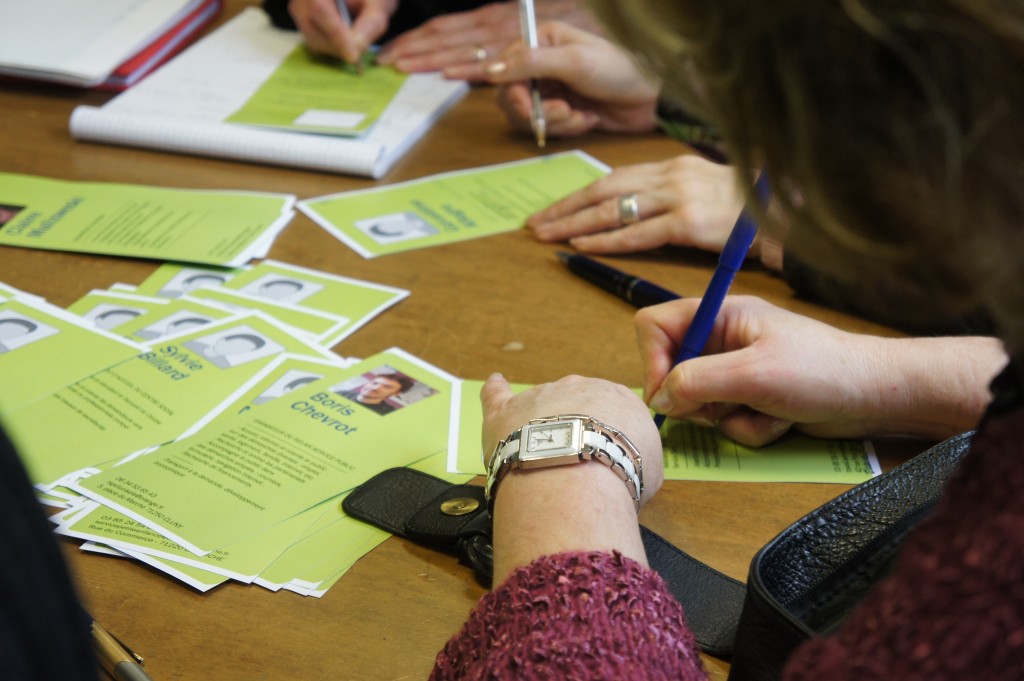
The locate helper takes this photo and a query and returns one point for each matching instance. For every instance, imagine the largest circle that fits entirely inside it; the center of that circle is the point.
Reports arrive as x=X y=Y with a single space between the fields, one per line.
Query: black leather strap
x=409 y=503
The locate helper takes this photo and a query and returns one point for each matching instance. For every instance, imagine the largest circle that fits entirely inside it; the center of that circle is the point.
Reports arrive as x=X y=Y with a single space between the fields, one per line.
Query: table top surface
x=471 y=302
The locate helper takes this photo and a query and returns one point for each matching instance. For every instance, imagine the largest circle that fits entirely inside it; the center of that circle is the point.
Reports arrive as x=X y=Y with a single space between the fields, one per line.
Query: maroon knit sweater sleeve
x=575 y=616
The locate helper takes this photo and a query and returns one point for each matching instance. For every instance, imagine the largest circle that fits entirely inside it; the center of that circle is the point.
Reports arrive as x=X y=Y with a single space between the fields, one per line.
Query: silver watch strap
x=600 y=442
x=604 y=449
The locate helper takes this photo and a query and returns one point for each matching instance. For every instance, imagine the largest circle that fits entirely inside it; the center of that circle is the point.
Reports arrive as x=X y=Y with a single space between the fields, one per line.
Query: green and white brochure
x=451 y=207
x=254 y=471
x=203 y=226
x=147 y=400
x=44 y=348
x=312 y=93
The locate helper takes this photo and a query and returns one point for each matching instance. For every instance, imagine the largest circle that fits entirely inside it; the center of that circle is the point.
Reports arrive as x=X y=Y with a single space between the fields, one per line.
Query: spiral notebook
x=183 y=106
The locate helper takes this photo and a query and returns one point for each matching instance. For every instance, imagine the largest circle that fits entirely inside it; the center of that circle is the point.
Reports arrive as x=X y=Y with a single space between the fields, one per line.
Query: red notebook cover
x=163 y=48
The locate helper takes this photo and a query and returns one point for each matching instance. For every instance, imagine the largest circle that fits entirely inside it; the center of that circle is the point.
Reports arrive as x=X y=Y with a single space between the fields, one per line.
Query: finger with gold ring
x=629 y=209
x=480 y=52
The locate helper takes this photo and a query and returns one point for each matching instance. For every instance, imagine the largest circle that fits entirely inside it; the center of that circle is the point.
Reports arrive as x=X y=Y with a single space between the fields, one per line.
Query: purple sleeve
x=575 y=615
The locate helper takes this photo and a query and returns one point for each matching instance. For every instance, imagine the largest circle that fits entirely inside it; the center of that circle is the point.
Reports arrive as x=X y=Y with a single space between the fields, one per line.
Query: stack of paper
x=186 y=105
x=106 y=43
x=227 y=228
x=200 y=424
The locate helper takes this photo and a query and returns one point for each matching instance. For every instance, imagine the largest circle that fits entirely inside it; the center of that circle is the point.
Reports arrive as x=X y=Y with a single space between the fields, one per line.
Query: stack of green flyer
x=227 y=228
x=214 y=388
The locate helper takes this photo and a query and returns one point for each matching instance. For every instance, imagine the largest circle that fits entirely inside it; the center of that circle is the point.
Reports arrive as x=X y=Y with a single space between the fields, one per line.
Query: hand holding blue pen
x=729 y=263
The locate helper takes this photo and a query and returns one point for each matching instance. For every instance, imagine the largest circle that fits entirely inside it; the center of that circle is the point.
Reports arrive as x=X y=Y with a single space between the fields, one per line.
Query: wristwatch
x=566 y=439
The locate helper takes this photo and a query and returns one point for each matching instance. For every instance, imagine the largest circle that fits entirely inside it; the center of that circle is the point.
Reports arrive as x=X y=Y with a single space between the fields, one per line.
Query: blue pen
x=729 y=263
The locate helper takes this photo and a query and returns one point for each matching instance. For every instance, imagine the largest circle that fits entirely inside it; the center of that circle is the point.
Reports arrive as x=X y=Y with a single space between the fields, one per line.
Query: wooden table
x=388 y=616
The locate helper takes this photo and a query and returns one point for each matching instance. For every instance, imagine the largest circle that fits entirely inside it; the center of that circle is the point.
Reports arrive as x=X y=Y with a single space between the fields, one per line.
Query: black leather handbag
x=803 y=583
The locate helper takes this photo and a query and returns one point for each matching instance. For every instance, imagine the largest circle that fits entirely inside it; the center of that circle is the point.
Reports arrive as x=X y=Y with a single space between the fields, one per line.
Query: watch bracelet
x=498 y=466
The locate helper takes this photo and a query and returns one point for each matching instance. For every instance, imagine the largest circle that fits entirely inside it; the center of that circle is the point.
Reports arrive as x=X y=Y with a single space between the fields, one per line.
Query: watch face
x=547 y=437
x=551 y=444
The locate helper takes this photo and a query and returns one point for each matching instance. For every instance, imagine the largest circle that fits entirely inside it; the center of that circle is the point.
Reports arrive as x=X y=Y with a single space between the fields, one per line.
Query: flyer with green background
x=313 y=93
x=280 y=376
x=282 y=283
x=321 y=327
x=451 y=207
x=7 y=291
x=358 y=301
x=200 y=579
x=147 y=319
x=264 y=466
x=146 y=400
x=110 y=309
x=173 y=280
x=694 y=453
x=335 y=542
x=213 y=227
x=241 y=561
x=44 y=348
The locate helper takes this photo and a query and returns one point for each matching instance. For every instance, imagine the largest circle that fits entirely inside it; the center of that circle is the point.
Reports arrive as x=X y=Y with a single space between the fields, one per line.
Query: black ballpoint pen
x=634 y=290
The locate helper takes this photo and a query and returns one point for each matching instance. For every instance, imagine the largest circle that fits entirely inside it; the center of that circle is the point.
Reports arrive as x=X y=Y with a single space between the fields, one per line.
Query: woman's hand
x=583 y=507
x=586 y=83
x=608 y=402
x=465 y=38
x=685 y=201
x=767 y=370
x=325 y=30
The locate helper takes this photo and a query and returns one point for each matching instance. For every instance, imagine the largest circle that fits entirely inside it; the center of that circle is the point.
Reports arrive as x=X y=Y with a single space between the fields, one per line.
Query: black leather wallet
x=453 y=518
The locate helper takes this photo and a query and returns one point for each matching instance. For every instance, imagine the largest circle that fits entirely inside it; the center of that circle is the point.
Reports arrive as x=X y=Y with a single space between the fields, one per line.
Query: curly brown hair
x=890 y=130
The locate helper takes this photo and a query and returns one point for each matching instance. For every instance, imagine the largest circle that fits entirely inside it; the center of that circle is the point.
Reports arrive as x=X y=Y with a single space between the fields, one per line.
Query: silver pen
x=528 y=26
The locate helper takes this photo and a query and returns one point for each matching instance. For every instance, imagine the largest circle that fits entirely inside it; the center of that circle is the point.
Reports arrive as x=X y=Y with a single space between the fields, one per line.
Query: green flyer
x=320 y=327
x=356 y=300
x=212 y=227
x=44 y=348
x=147 y=400
x=451 y=207
x=199 y=579
x=313 y=93
x=244 y=475
x=241 y=561
x=280 y=376
x=695 y=453
x=146 y=319
x=321 y=557
x=110 y=309
x=173 y=280
x=283 y=284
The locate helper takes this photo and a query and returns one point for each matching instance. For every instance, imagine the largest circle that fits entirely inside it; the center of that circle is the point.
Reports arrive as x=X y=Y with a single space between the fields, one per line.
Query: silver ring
x=629 y=209
x=480 y=52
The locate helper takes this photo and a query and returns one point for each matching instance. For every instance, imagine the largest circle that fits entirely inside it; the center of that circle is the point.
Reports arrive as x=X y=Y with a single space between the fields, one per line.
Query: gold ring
x=480 y=52
x=629 y=209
